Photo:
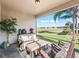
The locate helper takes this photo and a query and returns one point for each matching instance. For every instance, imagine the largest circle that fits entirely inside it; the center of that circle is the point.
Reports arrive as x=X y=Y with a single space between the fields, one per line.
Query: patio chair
x=52 y=53
x=23 y=41
x=60 y=52
x=20 y=32
x=55 y=47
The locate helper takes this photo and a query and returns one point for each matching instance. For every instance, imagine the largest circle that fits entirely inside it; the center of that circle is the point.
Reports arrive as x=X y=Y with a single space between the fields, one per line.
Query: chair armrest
x=44 y=54
x=20 y=41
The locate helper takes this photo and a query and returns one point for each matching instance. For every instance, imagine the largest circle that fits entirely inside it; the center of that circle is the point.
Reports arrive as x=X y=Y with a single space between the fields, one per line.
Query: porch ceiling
x=29 y=6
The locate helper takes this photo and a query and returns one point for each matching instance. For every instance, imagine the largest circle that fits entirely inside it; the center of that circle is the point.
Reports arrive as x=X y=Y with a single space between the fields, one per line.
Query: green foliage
x=63 y=14
x=8 y=25
x=69 y=25
x=57 y=15
x=62 y=33
x=67 y=31
x=78 y=31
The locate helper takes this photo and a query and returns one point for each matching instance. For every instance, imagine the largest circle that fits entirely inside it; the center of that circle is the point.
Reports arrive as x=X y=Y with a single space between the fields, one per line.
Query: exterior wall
x=24 y=21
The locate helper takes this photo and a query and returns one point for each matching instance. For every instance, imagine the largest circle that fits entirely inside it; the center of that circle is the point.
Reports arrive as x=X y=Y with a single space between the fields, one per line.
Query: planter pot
x=4 y=45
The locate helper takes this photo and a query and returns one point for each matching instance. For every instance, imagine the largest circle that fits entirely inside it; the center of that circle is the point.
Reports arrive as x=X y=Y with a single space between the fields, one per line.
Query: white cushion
x=24 y=37
x=33 y=37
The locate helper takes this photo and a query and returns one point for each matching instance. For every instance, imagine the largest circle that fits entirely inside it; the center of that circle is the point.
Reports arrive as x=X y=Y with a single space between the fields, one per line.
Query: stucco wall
x=23 y=21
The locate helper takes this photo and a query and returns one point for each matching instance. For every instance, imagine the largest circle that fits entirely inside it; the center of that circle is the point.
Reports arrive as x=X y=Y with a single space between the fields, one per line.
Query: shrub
x=62 y=33
x=67 y=31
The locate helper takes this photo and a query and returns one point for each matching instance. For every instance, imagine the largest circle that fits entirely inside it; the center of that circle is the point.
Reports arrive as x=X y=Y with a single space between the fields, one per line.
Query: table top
x=33 y=46
x=42 y=42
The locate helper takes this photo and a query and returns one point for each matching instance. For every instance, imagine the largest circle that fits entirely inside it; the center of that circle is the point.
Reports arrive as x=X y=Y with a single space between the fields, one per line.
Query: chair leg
x=32 y=54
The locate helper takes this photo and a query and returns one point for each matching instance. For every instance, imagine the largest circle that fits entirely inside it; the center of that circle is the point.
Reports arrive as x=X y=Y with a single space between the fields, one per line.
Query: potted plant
x=8 y=25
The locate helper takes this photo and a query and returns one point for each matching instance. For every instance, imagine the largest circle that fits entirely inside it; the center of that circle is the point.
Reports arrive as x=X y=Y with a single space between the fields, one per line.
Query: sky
x=48 y=21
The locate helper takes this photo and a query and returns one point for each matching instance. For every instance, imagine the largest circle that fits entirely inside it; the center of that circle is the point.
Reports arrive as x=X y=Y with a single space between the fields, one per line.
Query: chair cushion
x=24 y=37
x=32 y=37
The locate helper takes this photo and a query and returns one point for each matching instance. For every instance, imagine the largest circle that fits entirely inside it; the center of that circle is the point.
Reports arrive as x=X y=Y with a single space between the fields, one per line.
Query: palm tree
x=63 y=14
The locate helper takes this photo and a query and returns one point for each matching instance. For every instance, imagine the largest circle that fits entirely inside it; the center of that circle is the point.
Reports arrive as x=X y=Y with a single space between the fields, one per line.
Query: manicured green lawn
x=52 y=35
x=55 y=37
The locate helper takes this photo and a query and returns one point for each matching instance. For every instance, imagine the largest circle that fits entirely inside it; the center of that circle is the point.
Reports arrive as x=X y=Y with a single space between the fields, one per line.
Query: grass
x=55 y=37
x=52 y=35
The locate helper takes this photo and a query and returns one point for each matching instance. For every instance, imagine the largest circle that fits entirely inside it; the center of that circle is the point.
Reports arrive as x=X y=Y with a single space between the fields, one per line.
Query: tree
x=69 y=25
x=66 y=14
x=8 y=25
x=63 y=14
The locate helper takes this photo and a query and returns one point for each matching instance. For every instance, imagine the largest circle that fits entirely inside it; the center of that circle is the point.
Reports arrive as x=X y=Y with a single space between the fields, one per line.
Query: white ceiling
x=29 y=6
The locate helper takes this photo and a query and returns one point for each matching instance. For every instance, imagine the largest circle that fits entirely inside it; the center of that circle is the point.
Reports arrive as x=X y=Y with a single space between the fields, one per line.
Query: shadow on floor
x=10 y=52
